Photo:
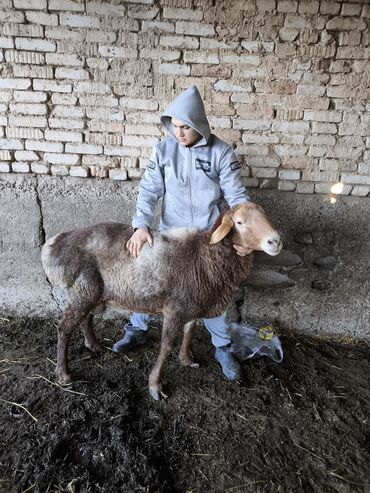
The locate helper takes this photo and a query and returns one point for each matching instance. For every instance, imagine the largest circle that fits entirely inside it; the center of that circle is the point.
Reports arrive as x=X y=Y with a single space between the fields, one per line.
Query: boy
x=191 y=170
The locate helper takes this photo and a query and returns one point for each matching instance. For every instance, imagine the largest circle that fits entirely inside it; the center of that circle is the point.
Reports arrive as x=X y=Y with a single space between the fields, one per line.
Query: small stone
x=320 y=285
x=285 y=258
x=326 y=263
x=304 y=237
x=268 y=279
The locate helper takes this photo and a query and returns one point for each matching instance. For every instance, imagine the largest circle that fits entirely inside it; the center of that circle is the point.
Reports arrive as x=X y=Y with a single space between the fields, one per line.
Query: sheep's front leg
x=170 y=326
x=91 y=341
x=185 y=355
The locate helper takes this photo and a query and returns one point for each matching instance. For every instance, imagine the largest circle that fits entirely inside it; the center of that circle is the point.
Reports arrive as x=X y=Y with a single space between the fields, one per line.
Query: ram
x=187 y=274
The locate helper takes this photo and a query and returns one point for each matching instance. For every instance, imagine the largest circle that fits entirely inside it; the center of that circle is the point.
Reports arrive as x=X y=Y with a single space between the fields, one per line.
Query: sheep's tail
x=59 y=273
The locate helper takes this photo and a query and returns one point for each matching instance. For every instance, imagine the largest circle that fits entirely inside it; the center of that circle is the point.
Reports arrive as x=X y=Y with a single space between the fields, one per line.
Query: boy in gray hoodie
x=192 y=170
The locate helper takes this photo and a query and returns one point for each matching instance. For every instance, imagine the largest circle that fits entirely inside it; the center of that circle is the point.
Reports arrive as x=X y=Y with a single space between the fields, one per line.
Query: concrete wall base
x=297 y=291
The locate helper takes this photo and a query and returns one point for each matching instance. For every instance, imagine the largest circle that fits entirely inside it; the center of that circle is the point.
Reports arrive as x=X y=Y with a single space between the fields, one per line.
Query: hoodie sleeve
x=151 y=188
x=230 y=180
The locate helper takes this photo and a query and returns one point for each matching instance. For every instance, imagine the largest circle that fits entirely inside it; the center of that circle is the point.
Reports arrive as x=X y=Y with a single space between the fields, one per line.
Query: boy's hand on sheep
x=138 y=240
x=242 y=251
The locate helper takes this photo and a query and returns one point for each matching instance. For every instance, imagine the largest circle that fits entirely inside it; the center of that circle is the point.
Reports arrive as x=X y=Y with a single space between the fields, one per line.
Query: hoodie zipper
x=190 y=176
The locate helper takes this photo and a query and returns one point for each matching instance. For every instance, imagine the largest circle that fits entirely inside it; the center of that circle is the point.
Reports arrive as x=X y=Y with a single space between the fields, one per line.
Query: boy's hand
x=242 y=251
x=137 y=241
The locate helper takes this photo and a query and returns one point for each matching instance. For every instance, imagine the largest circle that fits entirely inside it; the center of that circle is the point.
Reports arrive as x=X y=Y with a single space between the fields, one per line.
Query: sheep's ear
x=222 y=230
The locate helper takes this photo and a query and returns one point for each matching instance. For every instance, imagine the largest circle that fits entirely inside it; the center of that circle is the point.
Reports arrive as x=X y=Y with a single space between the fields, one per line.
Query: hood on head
x=189 y=108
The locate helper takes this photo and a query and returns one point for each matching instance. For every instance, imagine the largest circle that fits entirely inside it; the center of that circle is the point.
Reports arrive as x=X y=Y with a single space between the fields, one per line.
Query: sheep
x=187 y=274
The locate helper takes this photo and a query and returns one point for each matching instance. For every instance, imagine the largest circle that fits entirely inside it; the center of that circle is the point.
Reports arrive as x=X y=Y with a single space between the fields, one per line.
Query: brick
x=20 y=167
x=139 y=104
x=349 y=38
x=141 y=117
x=34 y=44
x=260 y=139
x=183 y=42
x=98 y=138
x=83 y=149
x=110 y=114
x=37 y=145
x=174 y=69
x=244 y=59
x=92 y=87
x=28 y=109
x=263 y=162
x=98 y=126
x=146 y=13
x=98 y=100
x=105 y=9
x=350 y=9
x=329 y=7
x=214 y=71
x=327 y=188
x=118 y=174
x=59 y=135
x=287 y=186
x=73 y=20
x=11 y=16
x=323 y=116
x=69 y=73
x=42 y=18
x=69 y=111
x=10 y=144
x=15 y=83
x=6 y=42
x=199 y=57
x=305 y=188
x=135 y=141
x=311 y=90
x=5 y=155
x=65 y=34
x=25 y=57
x=30 y=4
x=28 y=121
x=345 y=24
x=26 y=156
x=163 y=55
x=182 y=14
x=4 y=167
x=63 y=99
x=230 y=86
x=324 y=128
x=366 y=11
x=23 y=133
x=78 y=171
x=251 y=124
x=118 y=52
x=142 y=130
x=344 y=152
x=39 y=168
x=59 y=170
x=295 y=127
x=64 y=59
x=360 y=191
x=355 y=179
x=290 y=150
x=66 y=159
x=194 y=28
x=289 y=174
x=263 y=173
x=287 y=6
x=219 y=122
x=32 y=71
x=50 y=85
x=252 y=150
x=166 y=27
x=308 y=7
x=320 y=140
x=318 y=175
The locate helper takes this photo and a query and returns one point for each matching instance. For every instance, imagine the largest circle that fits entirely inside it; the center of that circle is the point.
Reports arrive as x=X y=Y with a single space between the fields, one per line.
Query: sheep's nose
x=272 y=244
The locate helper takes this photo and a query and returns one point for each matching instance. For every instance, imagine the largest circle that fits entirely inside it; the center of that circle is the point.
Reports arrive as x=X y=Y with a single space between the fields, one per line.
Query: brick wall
x=83 y=84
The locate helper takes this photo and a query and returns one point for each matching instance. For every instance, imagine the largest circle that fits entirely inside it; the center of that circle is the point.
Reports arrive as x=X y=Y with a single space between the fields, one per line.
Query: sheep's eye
x=239 y=222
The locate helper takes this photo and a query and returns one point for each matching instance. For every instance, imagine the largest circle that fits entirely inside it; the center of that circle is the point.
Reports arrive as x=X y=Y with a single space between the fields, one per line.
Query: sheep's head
x=249 y=227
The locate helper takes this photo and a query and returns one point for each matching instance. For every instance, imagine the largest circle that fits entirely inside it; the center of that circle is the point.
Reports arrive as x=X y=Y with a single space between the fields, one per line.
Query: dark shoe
x=133 y=337
x=229 y=364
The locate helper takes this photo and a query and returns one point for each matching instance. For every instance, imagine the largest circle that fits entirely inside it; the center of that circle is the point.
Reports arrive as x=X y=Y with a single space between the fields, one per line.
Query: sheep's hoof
x=157 y=393
x=93 y=347
x=189 y=362
x=63 y=378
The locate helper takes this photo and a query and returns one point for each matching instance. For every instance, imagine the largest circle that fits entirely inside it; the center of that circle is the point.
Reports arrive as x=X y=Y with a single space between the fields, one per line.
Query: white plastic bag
x=255 y=340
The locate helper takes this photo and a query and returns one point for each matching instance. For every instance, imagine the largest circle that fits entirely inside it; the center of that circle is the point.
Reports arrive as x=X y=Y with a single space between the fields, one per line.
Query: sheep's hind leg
x=71 y=318
x=185 y=355
x=170 y=326
x=91 y=341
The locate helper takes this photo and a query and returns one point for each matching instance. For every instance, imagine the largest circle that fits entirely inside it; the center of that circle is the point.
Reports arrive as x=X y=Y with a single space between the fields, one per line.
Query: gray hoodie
x=191 y=180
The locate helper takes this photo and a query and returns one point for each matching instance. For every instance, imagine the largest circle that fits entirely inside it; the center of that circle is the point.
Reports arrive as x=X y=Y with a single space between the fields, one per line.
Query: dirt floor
x=298 y=426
